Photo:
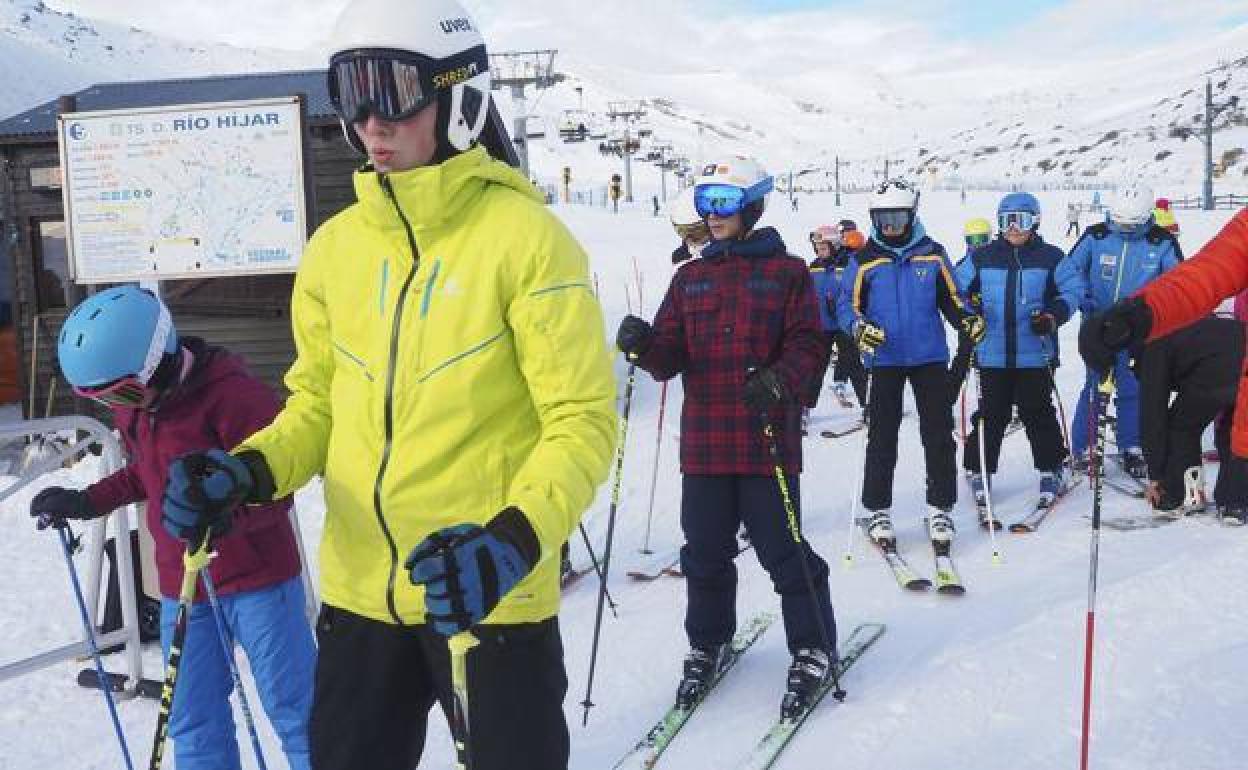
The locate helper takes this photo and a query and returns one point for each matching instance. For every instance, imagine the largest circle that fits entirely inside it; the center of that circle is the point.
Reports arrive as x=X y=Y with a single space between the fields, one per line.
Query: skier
x=1072 y=218
x=1182 y=296
x=741 y=327
x=832 y=255
x=1200 y=363
x=1026 y=289
x=1114 y=260
x=976 y=233
x=169 y=395
x=690 y=227
x=898 y=286
x=454 y=390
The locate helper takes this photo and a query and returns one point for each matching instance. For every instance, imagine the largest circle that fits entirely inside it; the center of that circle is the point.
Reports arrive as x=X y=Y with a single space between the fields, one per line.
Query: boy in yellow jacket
x=453 y=387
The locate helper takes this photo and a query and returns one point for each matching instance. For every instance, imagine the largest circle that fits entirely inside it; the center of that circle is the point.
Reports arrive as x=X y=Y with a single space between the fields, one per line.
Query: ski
x=769 y=747
x=845 y=432
x=1131 y=489
x=903 y=573
x=655 y=565
x=147 y=688
x=948 y=581
x=648 y=750
x=569 y=574
x=1041 y=510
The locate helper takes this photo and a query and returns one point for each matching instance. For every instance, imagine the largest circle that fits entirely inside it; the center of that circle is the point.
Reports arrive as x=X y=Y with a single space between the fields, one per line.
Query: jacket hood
x=433 y=194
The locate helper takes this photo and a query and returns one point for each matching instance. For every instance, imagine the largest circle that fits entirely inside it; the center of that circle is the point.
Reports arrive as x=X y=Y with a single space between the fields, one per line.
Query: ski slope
x=979 y=682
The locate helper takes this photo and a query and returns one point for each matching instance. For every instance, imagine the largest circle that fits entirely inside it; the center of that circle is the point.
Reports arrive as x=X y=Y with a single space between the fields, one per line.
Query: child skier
x=834 y=245
x=1025 y=289
x=689 y=227
x=1201 y=364
x=898 y=287
x=169 y=396
x=741 y=326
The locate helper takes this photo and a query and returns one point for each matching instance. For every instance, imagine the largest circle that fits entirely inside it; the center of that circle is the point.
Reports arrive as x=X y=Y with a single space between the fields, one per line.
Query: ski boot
x=1234 y=515
x=880 y=529
x=1195 y=501
x=940 y=529
x=1134 y=465
x=1080 y=463
x=807 y=673
x=1052 y=485
x=701 y=666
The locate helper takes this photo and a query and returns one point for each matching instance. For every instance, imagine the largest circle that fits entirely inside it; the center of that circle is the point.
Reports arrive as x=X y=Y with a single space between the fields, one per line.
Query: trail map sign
x=184 y=192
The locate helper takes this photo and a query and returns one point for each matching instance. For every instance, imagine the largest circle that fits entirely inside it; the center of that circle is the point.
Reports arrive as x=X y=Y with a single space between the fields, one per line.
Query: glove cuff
x=513 y=527
x=262 y=485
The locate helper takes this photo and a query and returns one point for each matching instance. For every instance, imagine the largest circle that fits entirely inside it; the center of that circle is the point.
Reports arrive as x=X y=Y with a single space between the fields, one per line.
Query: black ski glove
x=1123 y=326
x=764 y=390
x=52 y=506
x=1043 y=323
x=634 y=336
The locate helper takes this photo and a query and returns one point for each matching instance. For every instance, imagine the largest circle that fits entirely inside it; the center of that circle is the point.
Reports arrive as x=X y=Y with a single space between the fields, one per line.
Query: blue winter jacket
x=828 y=276
x=1007 y=284
x=1113 y=265
x=904 y=291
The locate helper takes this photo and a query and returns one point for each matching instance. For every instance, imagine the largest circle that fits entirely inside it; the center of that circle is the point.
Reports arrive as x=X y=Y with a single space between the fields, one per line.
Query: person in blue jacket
x=897 y=287
x=1114 y=260
x=827 y=271
x=1025 y=290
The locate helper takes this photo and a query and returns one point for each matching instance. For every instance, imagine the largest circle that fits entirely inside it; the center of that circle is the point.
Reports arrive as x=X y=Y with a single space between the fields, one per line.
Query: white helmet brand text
x=450 y=26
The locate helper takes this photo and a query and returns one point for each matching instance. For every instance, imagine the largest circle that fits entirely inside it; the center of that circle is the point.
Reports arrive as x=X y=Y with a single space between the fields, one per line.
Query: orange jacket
x=1195 y=288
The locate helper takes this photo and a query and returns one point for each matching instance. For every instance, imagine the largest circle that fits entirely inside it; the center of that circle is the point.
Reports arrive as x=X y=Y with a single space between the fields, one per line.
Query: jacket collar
x=917 y=236
x=434 y=194
x=764 y=242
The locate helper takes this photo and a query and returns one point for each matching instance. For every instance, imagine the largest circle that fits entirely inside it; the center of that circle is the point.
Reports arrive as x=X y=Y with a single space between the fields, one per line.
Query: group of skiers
x=453 y=390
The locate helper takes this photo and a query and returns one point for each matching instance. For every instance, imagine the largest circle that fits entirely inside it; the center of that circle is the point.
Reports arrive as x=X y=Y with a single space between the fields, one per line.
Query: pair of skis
x=649 y=750
x=1040 y=510
x=947 y=579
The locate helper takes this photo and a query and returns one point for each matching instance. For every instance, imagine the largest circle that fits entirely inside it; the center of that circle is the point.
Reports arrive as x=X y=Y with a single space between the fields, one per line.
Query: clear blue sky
x=972 y=18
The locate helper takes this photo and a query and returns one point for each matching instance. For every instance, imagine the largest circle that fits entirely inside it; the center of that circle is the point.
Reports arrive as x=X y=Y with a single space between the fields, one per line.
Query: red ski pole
x=1095 y=468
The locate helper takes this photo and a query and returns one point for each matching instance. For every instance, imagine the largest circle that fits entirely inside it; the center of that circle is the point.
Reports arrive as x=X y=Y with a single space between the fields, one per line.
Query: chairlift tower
x=515 y=70
x=628 y=111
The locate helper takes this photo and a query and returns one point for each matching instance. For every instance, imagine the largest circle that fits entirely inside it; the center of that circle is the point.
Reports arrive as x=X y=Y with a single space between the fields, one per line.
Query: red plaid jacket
x=744 y=304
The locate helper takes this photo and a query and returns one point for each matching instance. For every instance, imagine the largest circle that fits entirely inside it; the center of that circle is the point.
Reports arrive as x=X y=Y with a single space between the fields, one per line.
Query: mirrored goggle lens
x=975 y=241
x=719 y=199
x=1019 y=220
x=389 y=88
x=128 y=392
x=891 y=219
x=694 y=232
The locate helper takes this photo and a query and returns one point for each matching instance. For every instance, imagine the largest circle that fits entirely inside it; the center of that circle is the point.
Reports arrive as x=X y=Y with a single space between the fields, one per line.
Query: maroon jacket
x=218 y=405
x=742 y=305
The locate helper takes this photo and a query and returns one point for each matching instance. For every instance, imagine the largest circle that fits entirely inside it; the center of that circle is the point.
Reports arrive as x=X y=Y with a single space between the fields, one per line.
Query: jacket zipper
x=395 y=326
x=1122 y=268
x=1013 y=293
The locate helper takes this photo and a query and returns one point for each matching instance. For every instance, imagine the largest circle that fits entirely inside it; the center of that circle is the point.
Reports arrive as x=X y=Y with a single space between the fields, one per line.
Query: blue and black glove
x=467 y=569
x=54 y=505
x=202 y=491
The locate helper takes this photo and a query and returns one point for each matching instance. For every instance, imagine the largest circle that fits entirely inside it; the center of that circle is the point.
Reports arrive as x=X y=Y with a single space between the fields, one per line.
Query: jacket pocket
x=701 y=317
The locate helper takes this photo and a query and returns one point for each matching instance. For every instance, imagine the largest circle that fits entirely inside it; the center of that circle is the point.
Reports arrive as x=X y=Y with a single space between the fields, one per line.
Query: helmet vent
x=79 y=342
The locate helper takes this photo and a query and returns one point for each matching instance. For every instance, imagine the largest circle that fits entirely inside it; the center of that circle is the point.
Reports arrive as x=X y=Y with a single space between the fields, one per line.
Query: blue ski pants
x=1126 y=405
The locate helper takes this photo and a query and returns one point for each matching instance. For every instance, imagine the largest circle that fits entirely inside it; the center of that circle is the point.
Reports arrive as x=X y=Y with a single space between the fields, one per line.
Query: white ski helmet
x=682 y=210
x=1131 y=206
x=393 y=58
x=713 y=189
x=895 y=204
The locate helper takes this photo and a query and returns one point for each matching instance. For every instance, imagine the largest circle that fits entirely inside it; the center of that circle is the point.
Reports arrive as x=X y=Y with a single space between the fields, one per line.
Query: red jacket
x=1195 y=288
x=742 y=305
x=218 y=405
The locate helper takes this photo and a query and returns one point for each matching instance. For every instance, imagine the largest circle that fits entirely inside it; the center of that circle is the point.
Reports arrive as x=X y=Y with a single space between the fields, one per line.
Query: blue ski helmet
x=119 y=332
x=1019 y=203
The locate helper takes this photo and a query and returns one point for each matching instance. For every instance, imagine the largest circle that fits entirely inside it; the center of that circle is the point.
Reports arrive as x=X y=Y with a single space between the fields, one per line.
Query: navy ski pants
x=711 y=512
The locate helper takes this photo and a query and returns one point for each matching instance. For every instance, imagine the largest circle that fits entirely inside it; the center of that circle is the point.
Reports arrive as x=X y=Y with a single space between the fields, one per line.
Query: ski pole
x=460 y=644
x=588 y=703
x=194 y=560
x=68 y=546
x=593 y=559
x=983 y=467
x=848 y=560
x=795 y=529
x=227 y=646
x=1095 y=470
x=654 y=476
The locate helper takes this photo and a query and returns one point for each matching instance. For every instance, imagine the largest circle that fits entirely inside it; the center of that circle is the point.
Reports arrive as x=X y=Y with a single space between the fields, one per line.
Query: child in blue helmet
x=1025 y=289
x=169 y=396
x=1114 y=261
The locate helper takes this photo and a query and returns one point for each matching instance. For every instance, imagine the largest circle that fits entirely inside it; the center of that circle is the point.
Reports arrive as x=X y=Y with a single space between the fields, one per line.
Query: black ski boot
x=807 y=673
x=701 y=665
x=1134 y=465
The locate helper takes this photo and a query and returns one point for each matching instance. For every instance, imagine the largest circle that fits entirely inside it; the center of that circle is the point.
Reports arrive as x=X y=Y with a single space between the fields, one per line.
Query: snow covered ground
x=978 y=682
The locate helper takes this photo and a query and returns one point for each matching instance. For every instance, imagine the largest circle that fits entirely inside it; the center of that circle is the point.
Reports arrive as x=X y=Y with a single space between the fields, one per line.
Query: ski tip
x=953 y=589
x=919 y=584
x=1020 y=528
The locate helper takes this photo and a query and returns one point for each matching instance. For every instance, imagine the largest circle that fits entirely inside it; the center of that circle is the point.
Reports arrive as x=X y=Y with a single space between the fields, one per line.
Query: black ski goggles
x=395 y=85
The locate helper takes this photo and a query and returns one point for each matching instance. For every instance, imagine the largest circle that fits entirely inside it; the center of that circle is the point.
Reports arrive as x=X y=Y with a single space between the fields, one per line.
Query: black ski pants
x=1231 y=490
x=1189 y=414
x=848 y=363
x=376 y=683
x=930 y=386
x=712 y=510
x=1032 y=391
